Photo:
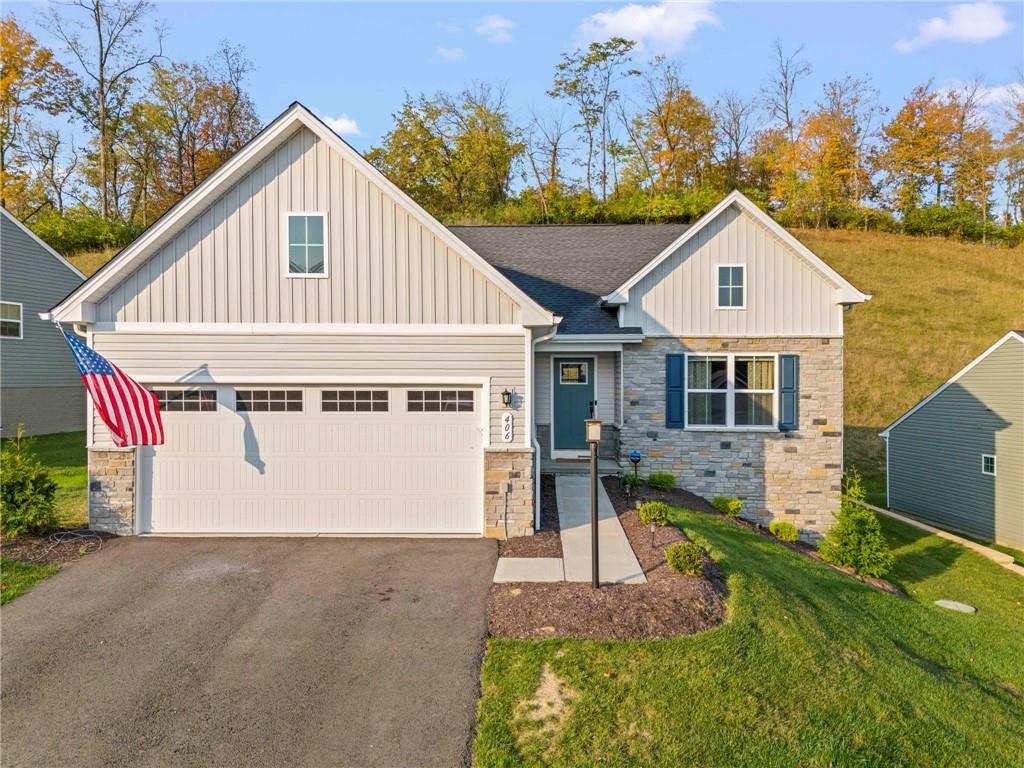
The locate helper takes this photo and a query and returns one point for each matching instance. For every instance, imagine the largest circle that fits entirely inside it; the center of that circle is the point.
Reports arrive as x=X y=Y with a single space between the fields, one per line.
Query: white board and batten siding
x=785 y=295
x=384 y=265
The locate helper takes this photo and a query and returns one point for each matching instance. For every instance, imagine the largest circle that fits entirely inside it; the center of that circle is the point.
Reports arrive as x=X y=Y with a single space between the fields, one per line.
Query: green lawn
x=812 y=669
x=65 y=456
x=17 y=578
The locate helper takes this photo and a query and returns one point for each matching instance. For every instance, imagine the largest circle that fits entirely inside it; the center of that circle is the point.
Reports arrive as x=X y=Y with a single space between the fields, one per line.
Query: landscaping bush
x=686 y=557
x=631 y=482
x=654 y=512
x=856 y=540
x=26 y=490
x=662 y=481
x=727 y=505
x=782 y=530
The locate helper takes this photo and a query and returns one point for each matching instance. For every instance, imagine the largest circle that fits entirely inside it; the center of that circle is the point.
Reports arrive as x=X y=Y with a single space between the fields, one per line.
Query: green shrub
x=662 y=481
x=26 y=490
x=856 y=540
x=654 y=512
x=782 y=530
x=631 y=482
x=686 y=557
x=727 y=505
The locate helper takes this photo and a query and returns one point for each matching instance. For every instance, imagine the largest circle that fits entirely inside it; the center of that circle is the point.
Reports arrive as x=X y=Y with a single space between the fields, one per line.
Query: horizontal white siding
x=384 y=265
x=785 y=296
x=606 y=389
x=233 y=357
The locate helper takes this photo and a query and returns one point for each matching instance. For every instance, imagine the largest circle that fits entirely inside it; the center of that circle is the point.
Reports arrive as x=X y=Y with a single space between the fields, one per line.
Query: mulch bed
x=678 y=497
x=58 y=548
x=546 y=541
x=668 y=605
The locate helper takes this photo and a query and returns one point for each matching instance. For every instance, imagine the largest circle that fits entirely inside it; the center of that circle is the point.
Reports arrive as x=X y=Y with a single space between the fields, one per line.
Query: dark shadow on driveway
x=250 y=652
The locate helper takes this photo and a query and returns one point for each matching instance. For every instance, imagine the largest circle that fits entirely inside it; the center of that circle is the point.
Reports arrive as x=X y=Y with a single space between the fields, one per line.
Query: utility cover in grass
x=953 y=605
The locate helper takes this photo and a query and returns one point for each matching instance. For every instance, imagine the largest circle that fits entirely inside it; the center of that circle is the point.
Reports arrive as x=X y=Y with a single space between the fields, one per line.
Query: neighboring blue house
x=39 y=383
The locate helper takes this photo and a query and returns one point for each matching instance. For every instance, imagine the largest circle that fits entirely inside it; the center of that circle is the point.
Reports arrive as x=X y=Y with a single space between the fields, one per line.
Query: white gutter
x=532 y=347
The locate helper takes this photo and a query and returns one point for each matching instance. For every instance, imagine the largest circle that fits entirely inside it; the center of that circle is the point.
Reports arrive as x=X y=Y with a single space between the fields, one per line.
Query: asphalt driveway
x=249 y=652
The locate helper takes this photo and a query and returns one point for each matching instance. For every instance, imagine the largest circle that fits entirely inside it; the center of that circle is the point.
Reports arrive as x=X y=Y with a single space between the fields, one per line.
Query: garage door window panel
x=440 y=401
x=268 y=400
x=354 y=401
x=186 y=400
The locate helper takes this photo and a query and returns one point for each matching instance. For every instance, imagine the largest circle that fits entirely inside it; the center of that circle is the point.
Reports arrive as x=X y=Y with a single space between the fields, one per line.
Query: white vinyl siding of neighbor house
x=935 y=453
x=384 y=264
x=606 y=386
x=229 y=358
x=785 y=295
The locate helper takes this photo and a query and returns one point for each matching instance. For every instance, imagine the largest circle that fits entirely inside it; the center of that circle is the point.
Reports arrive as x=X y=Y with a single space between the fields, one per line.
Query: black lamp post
x=594 y=438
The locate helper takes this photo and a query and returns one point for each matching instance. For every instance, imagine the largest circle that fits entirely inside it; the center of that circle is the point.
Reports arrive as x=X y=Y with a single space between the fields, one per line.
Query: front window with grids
x=732 y=287
x=730 y=391
x=10 y=320
x=306 y=244
x=269 y=400
x=186 y=400
x=354 y=400
x=440 y=401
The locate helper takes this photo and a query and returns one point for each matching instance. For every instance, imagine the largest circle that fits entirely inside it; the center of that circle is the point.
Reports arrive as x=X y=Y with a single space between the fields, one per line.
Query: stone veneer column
x=792 y=476
x=508 y=485
x=112 y=491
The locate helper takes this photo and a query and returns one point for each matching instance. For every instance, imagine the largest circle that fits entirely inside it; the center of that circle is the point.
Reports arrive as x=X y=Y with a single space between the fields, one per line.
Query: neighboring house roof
x=193 y=204
x=848 y=294
x=1018 y=335
x=568 y=268
x=13 y=219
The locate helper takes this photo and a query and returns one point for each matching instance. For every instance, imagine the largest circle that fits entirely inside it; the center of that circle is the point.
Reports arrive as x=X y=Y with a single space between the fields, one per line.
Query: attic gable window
x=307 y=244
x=732 y=286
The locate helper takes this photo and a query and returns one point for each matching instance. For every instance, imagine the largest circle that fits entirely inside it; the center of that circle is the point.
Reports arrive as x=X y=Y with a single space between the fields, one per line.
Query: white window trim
x=730 y=394
x=284 y=246
x=568 y=357
x=585 y=363
x=21 y=321
x=995 y=468
x=718 y=277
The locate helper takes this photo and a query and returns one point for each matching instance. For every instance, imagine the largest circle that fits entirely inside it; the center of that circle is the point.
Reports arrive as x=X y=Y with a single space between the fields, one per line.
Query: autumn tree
x=735 y=119
x=29 y=75
x=778 y=94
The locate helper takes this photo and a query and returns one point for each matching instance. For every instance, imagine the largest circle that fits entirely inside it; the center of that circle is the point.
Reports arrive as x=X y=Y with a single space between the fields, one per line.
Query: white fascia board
x=1011 y=335
x=42 y=243
x=235 y=168
x=308 y=380
x=848 y=294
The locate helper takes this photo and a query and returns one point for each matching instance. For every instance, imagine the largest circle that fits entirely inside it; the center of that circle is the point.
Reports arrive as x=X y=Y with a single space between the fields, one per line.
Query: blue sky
x=355 y=60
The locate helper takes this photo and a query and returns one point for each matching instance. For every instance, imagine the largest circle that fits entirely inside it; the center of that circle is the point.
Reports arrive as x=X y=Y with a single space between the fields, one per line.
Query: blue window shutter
x=789 y=392
x=675 y=386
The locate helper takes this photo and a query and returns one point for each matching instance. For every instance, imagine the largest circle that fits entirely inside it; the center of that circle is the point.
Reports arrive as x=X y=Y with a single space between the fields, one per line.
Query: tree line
x=156 y=127
x=617 y=138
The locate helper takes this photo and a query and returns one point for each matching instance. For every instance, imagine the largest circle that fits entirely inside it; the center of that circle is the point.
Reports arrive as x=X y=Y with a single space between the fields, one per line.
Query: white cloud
x=453 y=29
x=662 y=28
x=342 y=124
x=495 y=29
x=964 y=23
x=451 y=54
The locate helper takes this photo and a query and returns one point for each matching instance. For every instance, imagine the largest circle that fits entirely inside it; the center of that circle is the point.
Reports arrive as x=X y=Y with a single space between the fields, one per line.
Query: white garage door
x=328 y=459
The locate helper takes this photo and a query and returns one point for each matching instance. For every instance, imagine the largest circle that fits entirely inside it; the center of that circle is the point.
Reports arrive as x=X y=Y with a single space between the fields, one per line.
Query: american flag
x=130 y=410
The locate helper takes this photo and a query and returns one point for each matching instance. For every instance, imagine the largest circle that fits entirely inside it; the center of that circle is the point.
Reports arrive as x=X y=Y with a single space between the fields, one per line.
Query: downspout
x=531 y=354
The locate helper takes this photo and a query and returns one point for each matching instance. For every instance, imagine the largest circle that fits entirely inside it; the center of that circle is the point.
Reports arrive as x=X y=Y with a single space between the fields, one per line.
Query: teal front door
x=573 y=397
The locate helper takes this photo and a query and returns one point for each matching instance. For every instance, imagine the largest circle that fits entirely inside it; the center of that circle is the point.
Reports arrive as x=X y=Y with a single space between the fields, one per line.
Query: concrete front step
x=529 y=569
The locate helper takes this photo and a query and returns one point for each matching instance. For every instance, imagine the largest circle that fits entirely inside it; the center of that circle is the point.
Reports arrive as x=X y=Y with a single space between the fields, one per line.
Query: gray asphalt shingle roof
x=568 y=268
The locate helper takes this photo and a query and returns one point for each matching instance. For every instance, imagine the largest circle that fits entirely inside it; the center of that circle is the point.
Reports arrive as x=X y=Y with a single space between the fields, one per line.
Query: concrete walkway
x=617 y=562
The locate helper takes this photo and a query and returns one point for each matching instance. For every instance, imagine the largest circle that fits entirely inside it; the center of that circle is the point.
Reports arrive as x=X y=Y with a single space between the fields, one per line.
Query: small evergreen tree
x=26 y=490
x=856 y=540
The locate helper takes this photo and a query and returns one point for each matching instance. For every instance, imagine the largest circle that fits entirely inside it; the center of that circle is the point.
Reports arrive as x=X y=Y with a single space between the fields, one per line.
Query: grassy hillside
x=936 y=305
x=89 y=261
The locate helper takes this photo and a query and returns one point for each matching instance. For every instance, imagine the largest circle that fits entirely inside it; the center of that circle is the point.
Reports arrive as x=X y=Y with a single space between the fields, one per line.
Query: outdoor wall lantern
x=594 y=438
x=506 y=398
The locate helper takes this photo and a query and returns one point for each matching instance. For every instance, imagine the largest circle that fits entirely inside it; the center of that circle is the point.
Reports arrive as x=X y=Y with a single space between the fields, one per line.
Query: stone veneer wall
x=112 y=491
x=792 y=476
x=508 y=478
x=608 y=448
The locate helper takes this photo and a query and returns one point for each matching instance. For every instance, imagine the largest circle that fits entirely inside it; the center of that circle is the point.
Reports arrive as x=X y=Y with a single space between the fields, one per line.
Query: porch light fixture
x=506 y=398
x=593 y=437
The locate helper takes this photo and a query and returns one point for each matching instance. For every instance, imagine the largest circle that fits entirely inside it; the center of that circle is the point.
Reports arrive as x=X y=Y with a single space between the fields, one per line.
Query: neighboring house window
x=268 y=400
x=731 y=290
x=354 y=400
x=440 y=400
x=988 y=464
x=186 y=400
x=730 y=391
x=307 y=249
x=573 y=373
x=10 y=320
